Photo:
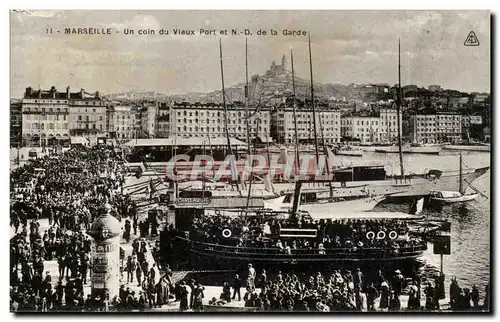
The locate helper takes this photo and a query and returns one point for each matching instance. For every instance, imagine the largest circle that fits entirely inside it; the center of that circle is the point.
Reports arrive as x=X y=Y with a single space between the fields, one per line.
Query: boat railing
x=260 y=251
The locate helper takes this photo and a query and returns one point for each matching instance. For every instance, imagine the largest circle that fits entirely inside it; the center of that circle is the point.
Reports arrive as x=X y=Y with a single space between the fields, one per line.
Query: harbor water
x=470 y=222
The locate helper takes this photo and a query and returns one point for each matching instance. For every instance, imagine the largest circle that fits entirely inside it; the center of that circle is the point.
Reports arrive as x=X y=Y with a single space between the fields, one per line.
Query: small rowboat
x=452 y=196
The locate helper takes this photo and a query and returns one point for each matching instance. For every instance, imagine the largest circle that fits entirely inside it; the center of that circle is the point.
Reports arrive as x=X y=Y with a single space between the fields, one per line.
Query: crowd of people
x=344 y=291
x=155 y=289
x=352 y=234
x=69 y=190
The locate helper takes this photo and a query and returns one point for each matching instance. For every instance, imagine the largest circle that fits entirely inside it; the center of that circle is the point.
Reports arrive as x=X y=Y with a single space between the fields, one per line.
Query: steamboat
x=212 y=238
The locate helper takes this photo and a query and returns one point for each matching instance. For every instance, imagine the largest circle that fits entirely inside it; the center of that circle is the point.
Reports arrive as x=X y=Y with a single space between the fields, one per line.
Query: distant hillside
x=262 y=88
x=138 y=96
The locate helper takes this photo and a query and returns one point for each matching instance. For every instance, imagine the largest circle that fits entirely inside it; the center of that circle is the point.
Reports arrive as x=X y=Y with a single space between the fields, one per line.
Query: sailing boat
x=320 y=202
x=454 y=196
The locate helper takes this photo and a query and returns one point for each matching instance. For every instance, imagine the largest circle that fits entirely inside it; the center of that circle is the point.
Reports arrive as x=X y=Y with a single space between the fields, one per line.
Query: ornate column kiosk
x=105 y=231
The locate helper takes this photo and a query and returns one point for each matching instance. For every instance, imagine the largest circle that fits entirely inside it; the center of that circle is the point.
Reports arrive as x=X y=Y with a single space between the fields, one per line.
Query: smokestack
x=68 y=92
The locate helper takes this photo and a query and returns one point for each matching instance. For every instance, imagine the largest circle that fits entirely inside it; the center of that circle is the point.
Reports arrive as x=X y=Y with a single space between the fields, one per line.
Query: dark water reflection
x=470 y=240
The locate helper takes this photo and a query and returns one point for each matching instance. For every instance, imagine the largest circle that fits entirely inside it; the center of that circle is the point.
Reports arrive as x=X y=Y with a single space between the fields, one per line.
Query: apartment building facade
x=45 y=117
x=436 y=127
x=381 y=126
x=327 y=125
x=120 y=122
x=201 y=120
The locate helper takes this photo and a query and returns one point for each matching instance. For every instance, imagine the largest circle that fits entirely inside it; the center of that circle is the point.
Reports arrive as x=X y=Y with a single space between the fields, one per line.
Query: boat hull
x=415 y=186
x=327 y=209
x=473 y=148
x=212 y=254
x=411 y=150
x=455 y=199
x=350 y=153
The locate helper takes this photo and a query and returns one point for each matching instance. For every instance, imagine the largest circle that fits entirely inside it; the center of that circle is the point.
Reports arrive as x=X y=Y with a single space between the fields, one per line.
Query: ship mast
x=315 y=128
x=247 y=115
x=247 y=123
x=230 y=151
x=460 y=183
x=297 y=161
x=398 y=110
x=312 y=104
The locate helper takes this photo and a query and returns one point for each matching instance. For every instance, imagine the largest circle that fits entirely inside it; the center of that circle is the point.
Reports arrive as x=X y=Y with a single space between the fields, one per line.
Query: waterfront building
x=163 y=121
x=202 y=120
x=45 y=117
x=380 y=126
x=327 y=124
x=87 y=115
x=148 y=120
x=435 y=127
x=120 y=122
x=16 y=124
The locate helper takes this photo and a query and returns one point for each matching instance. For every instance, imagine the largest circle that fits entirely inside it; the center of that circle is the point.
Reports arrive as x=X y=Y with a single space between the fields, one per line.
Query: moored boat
x=319 y=204
x=283 y=238
x=410 y=149
x=472 y=148
x=451 y=196
x=348 y=151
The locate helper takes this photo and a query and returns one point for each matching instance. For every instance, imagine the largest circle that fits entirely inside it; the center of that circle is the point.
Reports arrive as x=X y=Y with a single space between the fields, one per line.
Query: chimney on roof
x=68 y=92
x=53 y=91
x=97 y=94
x=82 y=92
x=29 y=92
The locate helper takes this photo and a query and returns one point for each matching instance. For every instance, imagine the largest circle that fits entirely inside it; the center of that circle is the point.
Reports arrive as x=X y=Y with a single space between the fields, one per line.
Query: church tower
x=283 y=63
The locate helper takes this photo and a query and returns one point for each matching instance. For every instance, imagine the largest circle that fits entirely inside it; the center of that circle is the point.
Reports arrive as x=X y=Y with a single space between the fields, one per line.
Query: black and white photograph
x=250 y=161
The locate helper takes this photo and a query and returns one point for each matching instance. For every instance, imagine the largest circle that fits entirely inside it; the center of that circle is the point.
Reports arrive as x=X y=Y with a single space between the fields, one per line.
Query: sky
x=347 y=47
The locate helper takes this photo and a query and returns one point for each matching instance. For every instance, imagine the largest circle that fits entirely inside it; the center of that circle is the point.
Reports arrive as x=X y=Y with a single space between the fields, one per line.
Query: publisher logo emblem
x=471 y=39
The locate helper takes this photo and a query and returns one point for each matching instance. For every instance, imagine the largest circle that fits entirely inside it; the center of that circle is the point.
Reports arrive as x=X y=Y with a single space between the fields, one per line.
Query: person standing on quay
x=237 y=286
x=454 y=293
x=198 y=298
x=371 y=295
x=251 y=276
x=183 y=295
x=138 y=274
x=384 y=295
x=440 y=284
x=486 y=303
